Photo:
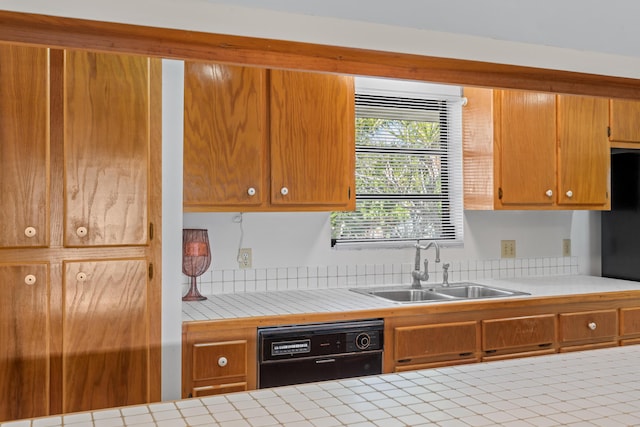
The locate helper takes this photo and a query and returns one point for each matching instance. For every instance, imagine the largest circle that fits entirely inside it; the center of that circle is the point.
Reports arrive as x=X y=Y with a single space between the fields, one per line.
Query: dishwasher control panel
x=296 y=341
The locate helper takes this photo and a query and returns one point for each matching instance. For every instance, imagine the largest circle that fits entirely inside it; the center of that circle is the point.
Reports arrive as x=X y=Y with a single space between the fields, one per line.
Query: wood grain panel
x=105 y=334
x=458 y=340
x=527 y=147
x=225 y=135
x=498 y=334
x=24 y=145
x=106 y=148
x=629 y=321
x=181 y=44
x=478 y=149
x=584 y=151
x=624 y=120
x=312 y=139
x=207 y=355
x=24 y=338
x=575 y=326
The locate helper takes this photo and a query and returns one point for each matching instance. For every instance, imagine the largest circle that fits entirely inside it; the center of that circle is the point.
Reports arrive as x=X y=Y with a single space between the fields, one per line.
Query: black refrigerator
x=621 y=225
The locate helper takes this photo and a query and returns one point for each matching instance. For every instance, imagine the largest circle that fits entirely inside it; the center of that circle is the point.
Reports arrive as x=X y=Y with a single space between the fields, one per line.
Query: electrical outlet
x=244 y=258
x=566 y=247
x=508 y=248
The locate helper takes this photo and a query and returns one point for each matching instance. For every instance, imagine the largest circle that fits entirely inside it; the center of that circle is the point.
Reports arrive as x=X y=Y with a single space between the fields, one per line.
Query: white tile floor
x=591 y=388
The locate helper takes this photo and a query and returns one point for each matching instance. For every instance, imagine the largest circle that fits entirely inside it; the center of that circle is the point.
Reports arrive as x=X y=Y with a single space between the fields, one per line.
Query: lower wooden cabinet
x=630 y=325
x=518 y=336
x=588 y=329
x=428 y=346
x=218 y=360
x=24 y=342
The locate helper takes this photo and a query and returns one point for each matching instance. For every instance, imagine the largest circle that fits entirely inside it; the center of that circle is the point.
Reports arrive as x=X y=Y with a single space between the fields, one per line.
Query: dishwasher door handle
x=325 y=361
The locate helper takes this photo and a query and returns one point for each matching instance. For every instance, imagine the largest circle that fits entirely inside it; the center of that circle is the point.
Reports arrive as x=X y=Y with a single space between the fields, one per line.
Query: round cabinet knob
x=549 y=193
x=222 y=361
x=81 y=277
x=81 y=231
x=284 y=191
x=30 y=231
x=592 y=326
x=251 y=191
x=569 y=194
x=30 y=279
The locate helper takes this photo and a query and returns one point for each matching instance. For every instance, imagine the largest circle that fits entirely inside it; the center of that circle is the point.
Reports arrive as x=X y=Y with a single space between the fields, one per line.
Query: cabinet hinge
x=500 y=193
x=609 y=131
x=150 y=270
x=349 y=193
x=150 y=231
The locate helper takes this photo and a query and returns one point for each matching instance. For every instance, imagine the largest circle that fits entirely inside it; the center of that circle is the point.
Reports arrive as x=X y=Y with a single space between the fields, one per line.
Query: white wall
x=303 y=239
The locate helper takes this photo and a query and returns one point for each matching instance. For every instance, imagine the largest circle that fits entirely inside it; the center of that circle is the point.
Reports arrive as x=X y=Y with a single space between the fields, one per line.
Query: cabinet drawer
x=211 y=390
x=458 y=340
x=629 y=321
x=518 y=332
x=589 y=326
x=219 y=360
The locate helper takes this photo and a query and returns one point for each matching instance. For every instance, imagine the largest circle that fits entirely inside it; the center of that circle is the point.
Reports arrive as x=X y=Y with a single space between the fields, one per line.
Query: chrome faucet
x=418 y=275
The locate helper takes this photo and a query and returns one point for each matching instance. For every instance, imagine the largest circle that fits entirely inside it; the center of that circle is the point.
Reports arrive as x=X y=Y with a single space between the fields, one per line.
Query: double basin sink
x=454 y=292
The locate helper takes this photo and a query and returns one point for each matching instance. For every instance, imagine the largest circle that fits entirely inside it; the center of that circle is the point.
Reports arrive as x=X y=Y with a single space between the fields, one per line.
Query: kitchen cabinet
x=428 y=346
x=267 y=140
x=218 y=360
x=24 y=353
x=588 y=329
x=518 y=336
x=630 y=325
x=94 y=307
x=24 y=151
x=530 y=150
x=624 y=119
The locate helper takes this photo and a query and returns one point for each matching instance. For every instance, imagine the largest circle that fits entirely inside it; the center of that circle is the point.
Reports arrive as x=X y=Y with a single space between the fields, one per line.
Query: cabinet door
x=629 y=322
x=225 y=136
x=519 y=333
x=24 y=338
x=527 y=146
x=584 y=151
x=312 y=139
x=106 y=148
x=455 y=340
x=105 y=334
x=24 y=146
x=624 y=120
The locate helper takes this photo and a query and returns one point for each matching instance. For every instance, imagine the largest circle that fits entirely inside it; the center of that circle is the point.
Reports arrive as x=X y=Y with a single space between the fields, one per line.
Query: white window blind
x=408 y=165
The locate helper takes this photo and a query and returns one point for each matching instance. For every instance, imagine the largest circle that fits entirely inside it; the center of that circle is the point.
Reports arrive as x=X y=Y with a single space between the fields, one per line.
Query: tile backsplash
x=348 y=276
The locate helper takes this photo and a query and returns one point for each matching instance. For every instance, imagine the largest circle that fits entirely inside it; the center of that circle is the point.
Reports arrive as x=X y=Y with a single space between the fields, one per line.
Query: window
x=408 y=165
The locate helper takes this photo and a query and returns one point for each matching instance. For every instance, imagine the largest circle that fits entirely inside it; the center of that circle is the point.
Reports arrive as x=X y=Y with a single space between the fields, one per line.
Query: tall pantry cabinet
x=79 y=230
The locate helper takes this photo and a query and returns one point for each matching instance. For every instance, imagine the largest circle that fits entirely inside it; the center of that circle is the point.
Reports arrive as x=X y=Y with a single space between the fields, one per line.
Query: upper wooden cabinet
x=528 y=150
x=24 y=146
x=106 y=148
x=624 y=123
x=267 y=140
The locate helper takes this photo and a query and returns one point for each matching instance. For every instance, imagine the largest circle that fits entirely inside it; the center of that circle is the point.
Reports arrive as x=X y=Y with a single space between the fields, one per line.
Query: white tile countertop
x=588 y=388
x=250 y=304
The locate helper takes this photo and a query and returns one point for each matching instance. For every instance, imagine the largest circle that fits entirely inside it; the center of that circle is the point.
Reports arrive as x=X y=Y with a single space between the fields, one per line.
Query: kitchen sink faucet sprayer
x=418 y=275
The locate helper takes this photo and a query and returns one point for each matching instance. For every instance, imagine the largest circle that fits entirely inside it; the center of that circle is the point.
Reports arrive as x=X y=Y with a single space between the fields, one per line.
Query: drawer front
x=589 y=326
x=420 y=342
x=518 y=332
x=629 y=321
x=219 y=360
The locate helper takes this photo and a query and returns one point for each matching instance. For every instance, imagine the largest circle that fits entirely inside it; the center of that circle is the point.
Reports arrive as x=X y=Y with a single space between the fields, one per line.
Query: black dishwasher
x=299 y=354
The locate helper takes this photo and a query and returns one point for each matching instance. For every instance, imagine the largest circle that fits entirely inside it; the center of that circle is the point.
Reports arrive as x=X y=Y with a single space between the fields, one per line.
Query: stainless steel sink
x=473 y=291
x=454 y=292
